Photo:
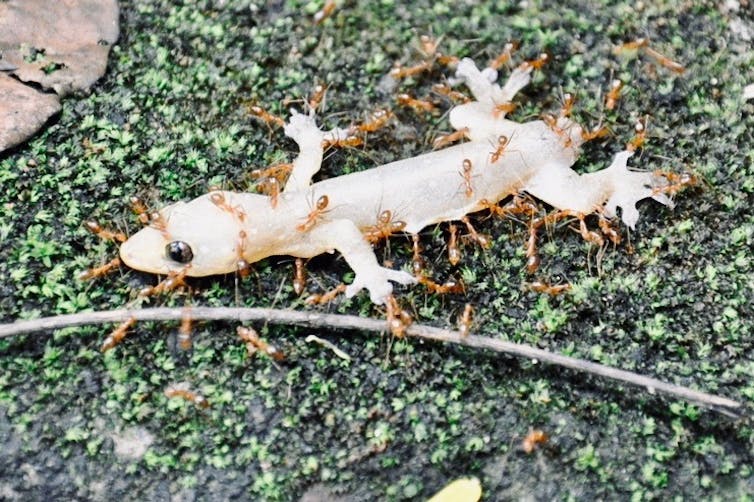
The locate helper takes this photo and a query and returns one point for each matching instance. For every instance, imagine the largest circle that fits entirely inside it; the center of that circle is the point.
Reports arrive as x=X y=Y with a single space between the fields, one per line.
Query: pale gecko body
x=418 y=191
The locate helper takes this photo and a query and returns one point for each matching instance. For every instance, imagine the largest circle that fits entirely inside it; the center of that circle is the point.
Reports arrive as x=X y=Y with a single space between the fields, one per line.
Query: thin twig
x=349 y=322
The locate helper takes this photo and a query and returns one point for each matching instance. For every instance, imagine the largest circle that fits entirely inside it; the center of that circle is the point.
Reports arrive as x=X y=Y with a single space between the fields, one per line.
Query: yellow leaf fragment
x=460 y=490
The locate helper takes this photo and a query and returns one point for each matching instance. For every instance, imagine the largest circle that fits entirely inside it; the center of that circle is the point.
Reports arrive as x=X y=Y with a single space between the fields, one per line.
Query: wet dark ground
x=402 y=418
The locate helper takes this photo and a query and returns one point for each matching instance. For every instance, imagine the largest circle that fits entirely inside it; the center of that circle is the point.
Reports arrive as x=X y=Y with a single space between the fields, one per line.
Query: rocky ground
x=401 y=418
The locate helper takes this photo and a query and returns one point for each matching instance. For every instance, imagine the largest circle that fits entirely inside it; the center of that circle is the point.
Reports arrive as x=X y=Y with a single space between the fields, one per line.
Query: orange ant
x=102 y=233
x=454 y=254
x=317 y=96
x=533 y=439
x=384 y=228
x=255 y=344
x=447 y=139
x=271 y=187
x=428 y=45
x=398 y=72
x=450 y=286
x=265 y=116
x=376 y=121
x=464 y=321
x=640 y=137
x=100 y=271
x=140 y=209
x=173 y=281
x=326 y=11
x=278 y=171
x=243 y=268
x=566 y=108
x=326 y=297
x=677 y=182
x=505 y=56
x=398 y=320
x=453 y=95
x=608 y=230
x=502 y=143
x=504 y=108
x=548 y=289
x=418 y=105
x=184 y=331
x=517 y=205
x=643 y=45
x=182 y=391
x=611 y=100
x=483 y=240
x=417 y=263
x=315 y=214
x=117 y=335
x=552 y=123
x=349 y=141
x=429 y=49
x=597 y=132
x=540 y=62
x=466 y=175
x=431 y=55
x=218 y=199
x=299 y=277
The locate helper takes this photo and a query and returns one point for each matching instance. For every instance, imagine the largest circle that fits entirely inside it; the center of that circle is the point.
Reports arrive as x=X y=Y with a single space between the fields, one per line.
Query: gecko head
x=208 y=235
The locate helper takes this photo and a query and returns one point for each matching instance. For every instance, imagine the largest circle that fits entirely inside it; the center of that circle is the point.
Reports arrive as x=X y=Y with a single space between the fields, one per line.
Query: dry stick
x=349 y=322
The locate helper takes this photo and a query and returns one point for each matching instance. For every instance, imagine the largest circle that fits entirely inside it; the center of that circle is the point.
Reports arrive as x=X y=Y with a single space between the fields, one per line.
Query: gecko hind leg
x=483 y=116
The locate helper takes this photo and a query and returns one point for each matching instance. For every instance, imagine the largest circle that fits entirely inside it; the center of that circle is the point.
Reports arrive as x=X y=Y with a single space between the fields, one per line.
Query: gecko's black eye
x=179 y=251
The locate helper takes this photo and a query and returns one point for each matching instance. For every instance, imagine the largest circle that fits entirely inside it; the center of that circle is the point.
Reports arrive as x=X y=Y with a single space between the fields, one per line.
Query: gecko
x=211 y=234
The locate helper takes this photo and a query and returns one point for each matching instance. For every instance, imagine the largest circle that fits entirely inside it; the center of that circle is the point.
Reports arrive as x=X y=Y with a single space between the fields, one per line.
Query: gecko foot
x=303 y=129
x=377 y=281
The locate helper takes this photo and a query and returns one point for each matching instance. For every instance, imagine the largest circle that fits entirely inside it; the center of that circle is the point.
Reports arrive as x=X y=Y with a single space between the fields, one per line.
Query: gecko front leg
x=302 y=128
x=311 y=140
x=344 y=236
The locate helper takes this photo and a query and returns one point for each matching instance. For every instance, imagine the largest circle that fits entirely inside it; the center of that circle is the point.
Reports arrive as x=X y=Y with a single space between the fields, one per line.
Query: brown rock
x=23 y=110
x=62 y=45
